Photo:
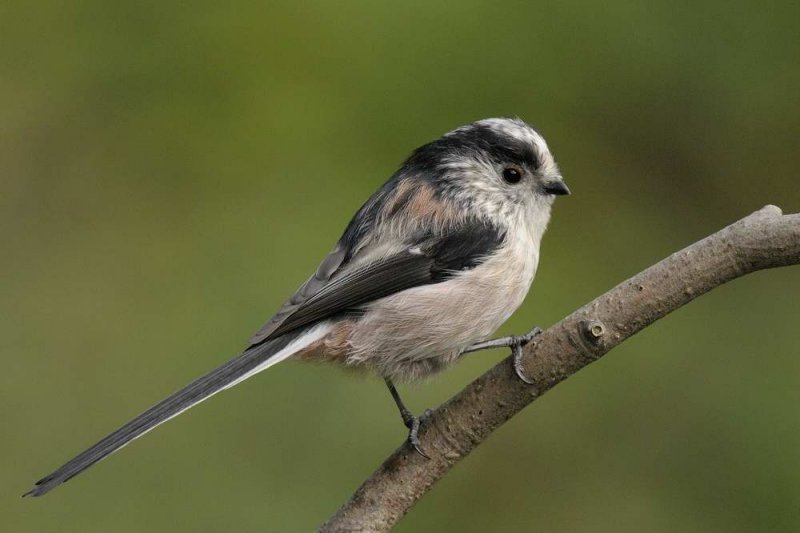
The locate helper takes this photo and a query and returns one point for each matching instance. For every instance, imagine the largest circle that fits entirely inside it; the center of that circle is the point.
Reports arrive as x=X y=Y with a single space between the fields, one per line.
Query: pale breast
x=422 y=330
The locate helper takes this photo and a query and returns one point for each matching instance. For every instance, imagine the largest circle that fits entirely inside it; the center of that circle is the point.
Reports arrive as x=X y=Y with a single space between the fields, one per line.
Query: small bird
x=430 y=266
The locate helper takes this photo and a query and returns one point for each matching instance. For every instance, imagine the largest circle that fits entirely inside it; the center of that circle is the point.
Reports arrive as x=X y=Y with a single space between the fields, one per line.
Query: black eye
x=512 y=175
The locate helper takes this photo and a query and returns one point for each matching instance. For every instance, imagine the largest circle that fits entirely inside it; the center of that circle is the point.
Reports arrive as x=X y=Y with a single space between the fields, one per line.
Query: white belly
x=422 y=330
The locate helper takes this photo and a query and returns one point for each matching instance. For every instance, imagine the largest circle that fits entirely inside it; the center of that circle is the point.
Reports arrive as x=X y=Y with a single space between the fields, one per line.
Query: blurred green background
x=169 y=173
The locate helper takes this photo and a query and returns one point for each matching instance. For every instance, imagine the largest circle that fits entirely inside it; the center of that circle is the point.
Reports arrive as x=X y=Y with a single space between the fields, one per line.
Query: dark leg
x=515 y=342
x=411 y=421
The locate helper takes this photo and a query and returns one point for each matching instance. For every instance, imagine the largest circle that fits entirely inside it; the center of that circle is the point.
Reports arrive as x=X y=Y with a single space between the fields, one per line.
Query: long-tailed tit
x=433 y=263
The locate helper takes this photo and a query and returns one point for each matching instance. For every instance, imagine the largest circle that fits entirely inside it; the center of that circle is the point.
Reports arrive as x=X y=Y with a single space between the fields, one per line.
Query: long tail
x=250 y=362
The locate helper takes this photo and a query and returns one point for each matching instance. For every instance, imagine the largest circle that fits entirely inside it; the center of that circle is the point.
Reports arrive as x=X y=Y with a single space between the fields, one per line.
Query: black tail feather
x=185 y=398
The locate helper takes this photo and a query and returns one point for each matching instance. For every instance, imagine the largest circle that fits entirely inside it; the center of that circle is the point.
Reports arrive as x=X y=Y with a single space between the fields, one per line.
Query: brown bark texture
x=764 y=239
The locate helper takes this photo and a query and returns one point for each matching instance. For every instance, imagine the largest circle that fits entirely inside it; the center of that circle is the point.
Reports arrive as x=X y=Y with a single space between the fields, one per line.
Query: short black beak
x=557 y=188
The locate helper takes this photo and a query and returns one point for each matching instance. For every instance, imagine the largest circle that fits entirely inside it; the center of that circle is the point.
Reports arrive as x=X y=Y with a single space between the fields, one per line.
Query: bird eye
x=512 y=175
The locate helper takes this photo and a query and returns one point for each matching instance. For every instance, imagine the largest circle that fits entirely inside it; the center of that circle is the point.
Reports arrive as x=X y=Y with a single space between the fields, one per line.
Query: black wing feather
x=433 y=260
x=373 y=281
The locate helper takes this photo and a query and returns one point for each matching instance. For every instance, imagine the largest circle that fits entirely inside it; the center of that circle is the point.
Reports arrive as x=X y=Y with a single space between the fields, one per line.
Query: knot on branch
x=592 y=341
x=593 y=331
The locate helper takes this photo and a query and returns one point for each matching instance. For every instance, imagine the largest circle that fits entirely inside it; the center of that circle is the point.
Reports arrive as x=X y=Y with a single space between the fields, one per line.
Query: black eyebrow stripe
x=499 y=147
x=503 y=148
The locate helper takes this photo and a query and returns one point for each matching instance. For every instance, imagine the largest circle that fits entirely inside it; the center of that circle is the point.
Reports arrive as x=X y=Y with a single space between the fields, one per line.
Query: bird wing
x=343 y=284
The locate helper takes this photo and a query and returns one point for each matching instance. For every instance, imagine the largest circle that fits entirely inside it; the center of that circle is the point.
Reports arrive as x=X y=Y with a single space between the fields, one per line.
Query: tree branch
x=765 y=239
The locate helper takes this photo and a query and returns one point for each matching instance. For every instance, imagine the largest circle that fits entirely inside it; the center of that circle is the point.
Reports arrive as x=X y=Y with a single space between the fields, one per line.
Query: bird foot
x=412 y=423
x=517 y=342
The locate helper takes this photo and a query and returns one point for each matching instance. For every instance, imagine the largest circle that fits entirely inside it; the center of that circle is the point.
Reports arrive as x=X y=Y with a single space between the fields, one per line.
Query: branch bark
x=764 y=239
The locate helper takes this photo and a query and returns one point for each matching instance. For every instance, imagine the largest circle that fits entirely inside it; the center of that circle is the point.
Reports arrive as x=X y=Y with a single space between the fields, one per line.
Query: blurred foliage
x=169 y=173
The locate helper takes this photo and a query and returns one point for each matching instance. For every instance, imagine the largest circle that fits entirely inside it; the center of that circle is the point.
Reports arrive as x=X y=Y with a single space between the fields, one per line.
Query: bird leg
x=515 y=342
x=410 y=421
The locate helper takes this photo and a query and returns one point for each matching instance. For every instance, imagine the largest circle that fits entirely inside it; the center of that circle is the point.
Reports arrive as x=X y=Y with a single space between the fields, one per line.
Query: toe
x=413 y=439
x=518 y=366
x=532 y=333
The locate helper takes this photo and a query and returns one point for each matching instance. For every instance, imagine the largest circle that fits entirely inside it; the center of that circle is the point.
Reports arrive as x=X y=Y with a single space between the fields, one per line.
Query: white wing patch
x=309 y=337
